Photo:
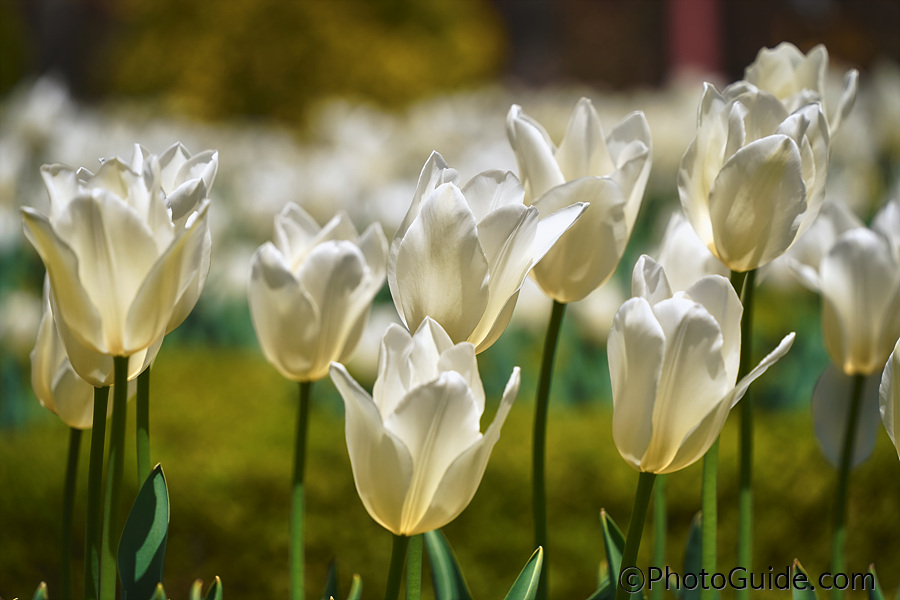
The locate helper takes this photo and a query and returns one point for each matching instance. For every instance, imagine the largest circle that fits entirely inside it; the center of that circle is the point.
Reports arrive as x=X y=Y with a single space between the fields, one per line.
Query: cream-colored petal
x=684 y=256
x=720 y=300
x=461 y=359
x=831 y=413
x=649 y=281
x=538 y=169
x=394 y=368
x=583 y=151
x=889 y=396
x=62 y=185
x=382 y=465
x=492 y=190
x=846 y=101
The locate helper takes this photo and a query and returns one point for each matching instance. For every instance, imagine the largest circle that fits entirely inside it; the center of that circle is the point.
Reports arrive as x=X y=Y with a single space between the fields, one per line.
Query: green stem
x=539 y=486
x=635 y=531
x=395 y=574
x=414 y=568
x=297 y=500
x=745 y=494
x=68 y=510
x=93 y=525
x=114 y=471
x=660 y=526
x=709 y=510
x=840 y=501
x=143 y=425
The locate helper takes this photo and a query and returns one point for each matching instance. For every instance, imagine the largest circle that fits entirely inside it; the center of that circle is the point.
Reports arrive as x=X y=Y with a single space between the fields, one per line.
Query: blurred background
x=335 y=105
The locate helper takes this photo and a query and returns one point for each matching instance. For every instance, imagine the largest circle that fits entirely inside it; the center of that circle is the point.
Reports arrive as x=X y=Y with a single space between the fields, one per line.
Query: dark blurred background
x=272 y=58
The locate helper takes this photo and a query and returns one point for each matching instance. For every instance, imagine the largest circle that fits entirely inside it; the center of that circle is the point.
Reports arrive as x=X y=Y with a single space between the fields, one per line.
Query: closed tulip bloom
x=461 y=255
x=889 y=403
x=415 y=445
x=610 y=172
x=753 y=179
x=797 y=79
x=119 y=257
x=310 y=291
x=673 y=361
x=859 y=281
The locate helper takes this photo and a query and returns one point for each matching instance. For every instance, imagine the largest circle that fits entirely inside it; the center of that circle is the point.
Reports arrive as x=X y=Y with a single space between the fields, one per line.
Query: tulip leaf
x=197 y=590
x=215 y=590
x=614 y=542
x=331 y=582
x=526 y=584
x=692 y=561
x=801 y=592
x=355 y=592
x=41 y=592
x=142 y=548
x=876 y=593
x=158 y=593
x=606 y=591
x=448 y=580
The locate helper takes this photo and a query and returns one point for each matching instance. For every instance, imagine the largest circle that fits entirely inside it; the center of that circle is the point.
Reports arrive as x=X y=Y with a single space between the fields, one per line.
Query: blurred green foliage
x=222 y=426
x=274 y=57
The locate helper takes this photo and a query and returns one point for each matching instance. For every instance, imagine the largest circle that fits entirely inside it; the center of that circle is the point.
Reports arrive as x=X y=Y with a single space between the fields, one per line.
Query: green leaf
x=448 y=580
x=158 y=592
x=215 y=590
x=355 y=592
x=606 y=591
x=526 y=584
x=331 y=583
x=614 y=542
x=142 y=548
x=692 y=557
x=797 y=593
x=876 y=593
x=41 y=592
x=197 y=590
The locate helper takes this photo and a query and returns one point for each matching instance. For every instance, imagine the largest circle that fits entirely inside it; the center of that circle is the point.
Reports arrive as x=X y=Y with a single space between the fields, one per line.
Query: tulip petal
x=382 y=465
x=490 y=191
x=720 y=300
x=636 y=347
x=831 y=413
x=443 y=269
x=845 y=103
x=435 y=173
x=860 y=301
x=428 y=344
x=437 y=422
x=461 y=359
x=460 y=482
x=63 y=184
x=583 y=151
x=649 y=281
x=755 y=203
x=889 y=397
x=394 y=373
x=534 y=153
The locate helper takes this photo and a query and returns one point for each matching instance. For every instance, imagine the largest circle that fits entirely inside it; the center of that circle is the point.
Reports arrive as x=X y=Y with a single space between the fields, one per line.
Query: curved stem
x=635 y=531
x=414 y=568
x=68 y=510
x=143 y=425
x=539 y=449
x=745 y=494
x=114 y=471
x=93 y=525
x=297 y=499
x=840 y=499
x=660 y=527
x=709 y=509
x=395 y=573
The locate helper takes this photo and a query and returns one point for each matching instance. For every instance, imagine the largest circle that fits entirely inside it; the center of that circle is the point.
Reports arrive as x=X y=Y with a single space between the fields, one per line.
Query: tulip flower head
x=461 y=255
x=310 y=291
x=889 y=394
x=797 y=79
x=415 y=444
x=753 y=179
x=673 y=361
x=120 y=254
x=609 y=172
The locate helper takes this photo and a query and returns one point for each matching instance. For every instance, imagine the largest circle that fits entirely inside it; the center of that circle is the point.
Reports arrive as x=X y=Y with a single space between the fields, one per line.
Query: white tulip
x=415 y=445
x=753 y=179
x=889 y=396
x=673 y=362
x=684 y=256
x=310 y=291
x=461 y=255
x=610 y=172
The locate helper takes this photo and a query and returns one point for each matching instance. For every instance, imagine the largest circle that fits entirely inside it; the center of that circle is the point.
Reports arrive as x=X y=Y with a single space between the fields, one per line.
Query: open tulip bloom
x=673 y=362
x=415 y=446
x=310 y=291
x=461 y=255
x=609 y=172
x=753 y=179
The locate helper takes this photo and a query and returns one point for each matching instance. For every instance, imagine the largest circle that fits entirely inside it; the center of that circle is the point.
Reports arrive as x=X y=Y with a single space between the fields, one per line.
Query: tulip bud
x=415 y=444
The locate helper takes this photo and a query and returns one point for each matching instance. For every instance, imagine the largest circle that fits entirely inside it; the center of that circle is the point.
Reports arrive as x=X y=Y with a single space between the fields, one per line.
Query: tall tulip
x=461 y=254
x=673 y=361
x=753 y=179
x=797 y=79
x=118 y=256
x=610 y=172
x=310 y=291
x=889 y=392
x=415 y=444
